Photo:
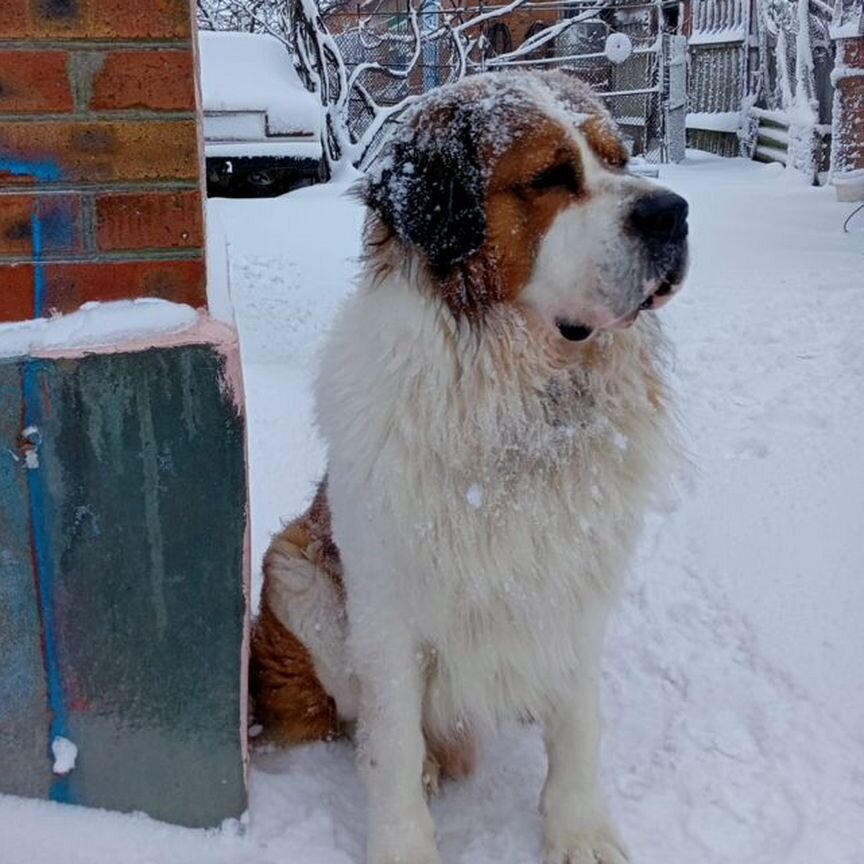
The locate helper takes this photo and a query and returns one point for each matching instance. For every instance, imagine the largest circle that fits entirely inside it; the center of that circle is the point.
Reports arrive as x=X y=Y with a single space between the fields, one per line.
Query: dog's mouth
x=659 y=297
x=573 y=331
x=576 y=331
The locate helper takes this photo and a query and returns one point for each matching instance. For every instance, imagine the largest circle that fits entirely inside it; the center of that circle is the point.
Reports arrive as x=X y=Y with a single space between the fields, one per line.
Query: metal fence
x=718 y=74
x=742 y=59
x=645 y=93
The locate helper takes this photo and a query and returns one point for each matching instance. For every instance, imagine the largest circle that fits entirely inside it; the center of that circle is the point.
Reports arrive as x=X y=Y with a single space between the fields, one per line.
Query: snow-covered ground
x=734 y=692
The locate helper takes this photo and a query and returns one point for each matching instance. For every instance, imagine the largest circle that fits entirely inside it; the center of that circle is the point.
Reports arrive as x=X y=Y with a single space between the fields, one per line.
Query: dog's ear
x=430 y=192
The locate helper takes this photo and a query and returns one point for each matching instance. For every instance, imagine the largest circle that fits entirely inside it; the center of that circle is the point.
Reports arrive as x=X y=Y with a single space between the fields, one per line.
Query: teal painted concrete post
x=122 y=598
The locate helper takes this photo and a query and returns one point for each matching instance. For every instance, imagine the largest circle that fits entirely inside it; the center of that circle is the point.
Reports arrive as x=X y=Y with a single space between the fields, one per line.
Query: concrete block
x=137 y=512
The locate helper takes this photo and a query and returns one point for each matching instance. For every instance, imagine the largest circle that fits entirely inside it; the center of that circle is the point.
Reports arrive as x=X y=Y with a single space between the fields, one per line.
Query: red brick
x=156 y=220
x=96 y=19
x=34 y=82
x=7 y=179
x=106 y=151
x=67 y=286
x=16 y=292
x=15 y=20
x=59 y=223
x=34 y=19
x=156 y=80
x=16 y=214
x=849 y=99
x=141 y=19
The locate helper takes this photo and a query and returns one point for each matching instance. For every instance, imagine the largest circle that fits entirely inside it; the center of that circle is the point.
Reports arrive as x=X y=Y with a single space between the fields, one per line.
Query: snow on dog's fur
x=496 y=418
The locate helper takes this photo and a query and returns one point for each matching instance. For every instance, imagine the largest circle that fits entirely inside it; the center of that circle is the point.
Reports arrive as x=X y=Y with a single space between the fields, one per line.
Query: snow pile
x=714 y=121
x=254 y=72
x=310 y=149
x=65 y=753
x=96 y=325
x=733 y=696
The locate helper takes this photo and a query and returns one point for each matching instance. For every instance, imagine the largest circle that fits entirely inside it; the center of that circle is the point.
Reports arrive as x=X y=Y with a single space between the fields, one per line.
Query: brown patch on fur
x=604 y=140
x=455 y=757
x=288 y=699
x=519 y=212
x=320 y=549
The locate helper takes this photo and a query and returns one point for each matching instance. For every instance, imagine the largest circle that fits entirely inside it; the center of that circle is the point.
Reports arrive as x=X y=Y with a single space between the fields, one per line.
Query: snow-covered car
x=261 y=126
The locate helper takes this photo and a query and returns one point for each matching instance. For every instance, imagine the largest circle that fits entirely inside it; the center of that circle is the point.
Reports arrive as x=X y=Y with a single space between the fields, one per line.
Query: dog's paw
x=456 y=756
x=450 y=758
x=597 y=846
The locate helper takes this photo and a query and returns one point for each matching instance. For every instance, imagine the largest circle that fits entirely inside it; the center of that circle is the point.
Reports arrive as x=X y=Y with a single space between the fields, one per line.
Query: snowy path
x=733 y=687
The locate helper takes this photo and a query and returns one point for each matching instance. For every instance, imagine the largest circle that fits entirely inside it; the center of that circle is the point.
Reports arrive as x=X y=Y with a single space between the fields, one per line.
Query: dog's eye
x=558 y=176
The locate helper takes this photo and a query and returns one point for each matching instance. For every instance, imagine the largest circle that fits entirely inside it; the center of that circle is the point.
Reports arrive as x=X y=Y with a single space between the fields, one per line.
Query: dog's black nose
x=660 y=216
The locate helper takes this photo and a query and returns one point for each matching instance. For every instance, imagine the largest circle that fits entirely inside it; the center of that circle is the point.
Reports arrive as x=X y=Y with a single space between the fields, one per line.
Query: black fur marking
x=432 y=193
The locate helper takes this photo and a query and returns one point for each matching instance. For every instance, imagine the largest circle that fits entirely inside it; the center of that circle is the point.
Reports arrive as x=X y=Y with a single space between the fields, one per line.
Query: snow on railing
x=714 y=121
x=848 y=19
x=718 y=21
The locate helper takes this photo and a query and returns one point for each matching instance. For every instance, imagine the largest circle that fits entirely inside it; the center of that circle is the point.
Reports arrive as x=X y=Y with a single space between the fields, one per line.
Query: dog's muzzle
x=659 y=220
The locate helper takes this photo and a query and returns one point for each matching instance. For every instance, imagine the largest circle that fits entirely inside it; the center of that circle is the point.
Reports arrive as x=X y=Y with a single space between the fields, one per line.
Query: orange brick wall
x=100 y=193
x=848 y=146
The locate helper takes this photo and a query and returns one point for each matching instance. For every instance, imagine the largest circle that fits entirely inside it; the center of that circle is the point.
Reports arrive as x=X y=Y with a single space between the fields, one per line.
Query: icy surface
x=65 y=753
x=96 y=325
x=254 y=72
x=734 y=700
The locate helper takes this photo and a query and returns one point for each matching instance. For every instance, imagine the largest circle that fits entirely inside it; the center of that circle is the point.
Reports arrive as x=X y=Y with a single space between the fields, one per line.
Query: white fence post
x=676 y=98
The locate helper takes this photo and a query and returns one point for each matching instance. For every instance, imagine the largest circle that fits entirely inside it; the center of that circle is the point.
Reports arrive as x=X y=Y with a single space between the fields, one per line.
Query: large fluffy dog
x=494 y=407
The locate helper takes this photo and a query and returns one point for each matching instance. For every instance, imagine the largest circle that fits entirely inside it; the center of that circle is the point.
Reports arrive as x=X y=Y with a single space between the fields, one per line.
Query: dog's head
x=513 y=188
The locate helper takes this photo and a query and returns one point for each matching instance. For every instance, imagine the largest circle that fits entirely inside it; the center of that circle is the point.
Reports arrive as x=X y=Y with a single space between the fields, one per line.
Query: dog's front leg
x=391 y=751
x=577 y=825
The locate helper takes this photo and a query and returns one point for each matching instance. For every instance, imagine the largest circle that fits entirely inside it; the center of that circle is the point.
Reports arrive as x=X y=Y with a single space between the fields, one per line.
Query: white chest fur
x=484 y=495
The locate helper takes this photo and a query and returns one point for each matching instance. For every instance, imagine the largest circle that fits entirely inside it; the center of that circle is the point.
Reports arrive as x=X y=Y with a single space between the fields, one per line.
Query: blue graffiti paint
x=38 y=266
x=44 y=564
x=43 y=171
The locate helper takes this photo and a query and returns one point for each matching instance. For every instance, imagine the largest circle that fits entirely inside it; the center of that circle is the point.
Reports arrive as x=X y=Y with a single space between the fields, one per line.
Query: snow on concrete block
x=97 y=325
x=65 y=755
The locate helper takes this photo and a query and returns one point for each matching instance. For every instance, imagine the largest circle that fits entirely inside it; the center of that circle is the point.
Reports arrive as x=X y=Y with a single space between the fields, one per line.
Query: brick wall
x=847 y=156
x=99 y=155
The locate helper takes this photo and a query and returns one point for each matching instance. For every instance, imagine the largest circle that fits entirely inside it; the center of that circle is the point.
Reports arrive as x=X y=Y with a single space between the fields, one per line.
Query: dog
x=494 y=402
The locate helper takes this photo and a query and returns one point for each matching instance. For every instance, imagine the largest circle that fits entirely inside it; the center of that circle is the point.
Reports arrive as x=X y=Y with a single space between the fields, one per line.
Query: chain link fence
x=409 y=55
